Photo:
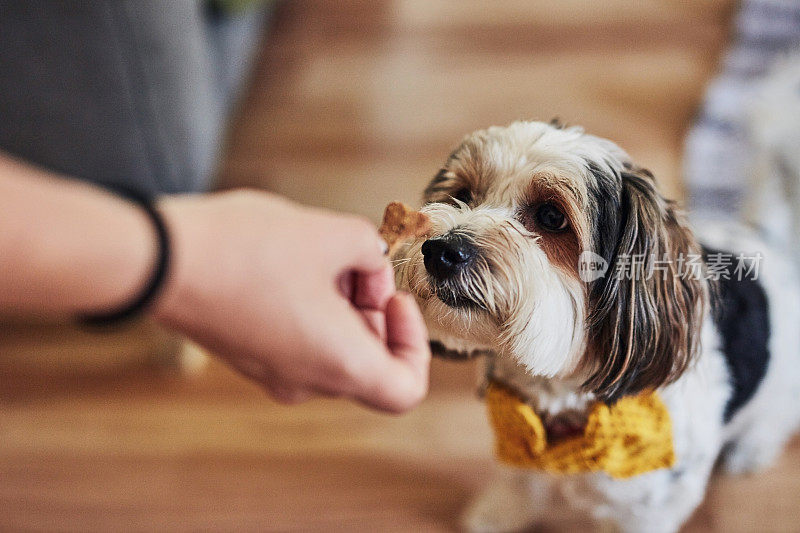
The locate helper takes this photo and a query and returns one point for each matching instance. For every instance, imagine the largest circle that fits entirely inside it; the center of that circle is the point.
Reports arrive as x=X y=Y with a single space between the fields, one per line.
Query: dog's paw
x=749 y=458
x=499 y=508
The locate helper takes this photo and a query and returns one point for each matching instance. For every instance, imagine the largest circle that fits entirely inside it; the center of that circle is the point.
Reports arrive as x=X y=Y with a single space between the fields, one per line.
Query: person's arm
x=298 y=299
x=66 y=247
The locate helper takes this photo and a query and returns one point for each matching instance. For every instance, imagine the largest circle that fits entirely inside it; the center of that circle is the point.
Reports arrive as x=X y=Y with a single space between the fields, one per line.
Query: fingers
x=374 y=289
x=379 y=358
x=347 y=284
x=376 y=321
x=369 y=292
x=406 y=334
x=395 y=380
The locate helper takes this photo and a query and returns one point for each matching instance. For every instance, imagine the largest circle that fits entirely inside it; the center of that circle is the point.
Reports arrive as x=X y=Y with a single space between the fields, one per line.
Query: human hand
x=298 y=299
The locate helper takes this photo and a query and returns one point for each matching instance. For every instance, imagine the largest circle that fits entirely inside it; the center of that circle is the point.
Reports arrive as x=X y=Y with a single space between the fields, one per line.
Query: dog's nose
x=446 y=256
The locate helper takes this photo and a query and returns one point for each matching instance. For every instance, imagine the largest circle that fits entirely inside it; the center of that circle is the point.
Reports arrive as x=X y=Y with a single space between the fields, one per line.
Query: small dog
x=517 y=213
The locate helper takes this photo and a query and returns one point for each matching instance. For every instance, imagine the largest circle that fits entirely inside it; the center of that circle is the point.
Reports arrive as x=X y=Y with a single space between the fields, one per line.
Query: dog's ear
x=645 y=314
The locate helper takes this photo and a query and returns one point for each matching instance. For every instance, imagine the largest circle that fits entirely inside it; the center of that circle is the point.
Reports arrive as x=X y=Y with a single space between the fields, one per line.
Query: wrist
x=149 y=288
x=179 y=287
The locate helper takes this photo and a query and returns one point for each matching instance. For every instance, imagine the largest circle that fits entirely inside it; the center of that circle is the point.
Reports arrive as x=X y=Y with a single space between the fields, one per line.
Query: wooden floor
x=151 y=449
x=354 y=103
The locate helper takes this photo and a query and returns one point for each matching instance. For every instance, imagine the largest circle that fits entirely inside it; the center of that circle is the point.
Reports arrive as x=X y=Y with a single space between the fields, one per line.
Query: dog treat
x=401 y=223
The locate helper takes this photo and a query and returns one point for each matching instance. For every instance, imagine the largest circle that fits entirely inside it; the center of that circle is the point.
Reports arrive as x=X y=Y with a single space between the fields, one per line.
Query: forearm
x=65 y=247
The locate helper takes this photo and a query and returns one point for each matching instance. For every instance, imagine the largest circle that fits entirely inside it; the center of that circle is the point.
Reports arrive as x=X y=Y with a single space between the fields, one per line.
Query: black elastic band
x=159 y=274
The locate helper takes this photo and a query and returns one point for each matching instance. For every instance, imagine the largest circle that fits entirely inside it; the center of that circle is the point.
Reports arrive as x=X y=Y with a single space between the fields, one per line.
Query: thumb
x=406 y=335
x=400 y=378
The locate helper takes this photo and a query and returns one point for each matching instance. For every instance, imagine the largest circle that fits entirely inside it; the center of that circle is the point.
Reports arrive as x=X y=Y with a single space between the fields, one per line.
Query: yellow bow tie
x=631 y=437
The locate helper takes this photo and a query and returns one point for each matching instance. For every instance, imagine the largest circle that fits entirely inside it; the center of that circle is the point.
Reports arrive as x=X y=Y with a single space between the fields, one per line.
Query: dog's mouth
x=440 y=350
x=454 y=297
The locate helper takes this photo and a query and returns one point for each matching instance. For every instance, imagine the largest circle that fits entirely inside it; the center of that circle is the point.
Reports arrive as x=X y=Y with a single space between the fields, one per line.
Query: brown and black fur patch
x=464 y=171
x=643 y=329
x=562 y=248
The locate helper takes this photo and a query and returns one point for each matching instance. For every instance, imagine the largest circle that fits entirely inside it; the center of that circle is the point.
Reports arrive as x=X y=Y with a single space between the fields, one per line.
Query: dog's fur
x=564 y=343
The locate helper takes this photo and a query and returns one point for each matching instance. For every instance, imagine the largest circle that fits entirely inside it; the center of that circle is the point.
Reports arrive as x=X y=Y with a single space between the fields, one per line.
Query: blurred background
x=351 y=104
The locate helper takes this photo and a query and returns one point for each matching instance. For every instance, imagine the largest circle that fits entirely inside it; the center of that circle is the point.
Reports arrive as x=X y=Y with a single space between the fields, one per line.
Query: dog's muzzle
x=447 y=259
x=447 y=256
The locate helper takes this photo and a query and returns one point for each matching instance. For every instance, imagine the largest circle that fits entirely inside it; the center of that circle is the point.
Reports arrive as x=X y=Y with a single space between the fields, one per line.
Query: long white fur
x=535 y=325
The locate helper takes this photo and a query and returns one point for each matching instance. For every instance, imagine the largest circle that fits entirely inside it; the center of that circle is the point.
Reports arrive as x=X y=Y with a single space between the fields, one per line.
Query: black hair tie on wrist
x=159 y=274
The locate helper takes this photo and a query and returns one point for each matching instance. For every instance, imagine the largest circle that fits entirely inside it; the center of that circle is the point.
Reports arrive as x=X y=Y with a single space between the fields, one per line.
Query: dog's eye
x=550 y=218
x=463 y=195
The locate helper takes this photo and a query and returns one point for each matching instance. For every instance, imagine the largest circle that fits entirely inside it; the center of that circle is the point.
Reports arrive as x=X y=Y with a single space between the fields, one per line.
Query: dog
x=515 y=213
